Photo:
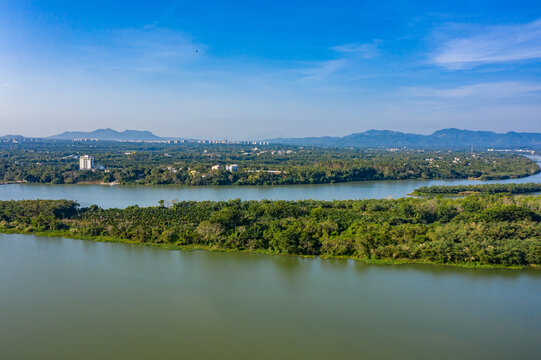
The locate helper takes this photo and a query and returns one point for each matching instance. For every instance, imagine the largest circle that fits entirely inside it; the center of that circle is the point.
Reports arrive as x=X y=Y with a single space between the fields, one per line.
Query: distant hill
x=441 y=139
x=12 y=137
x=108 y=134
x=446 y=138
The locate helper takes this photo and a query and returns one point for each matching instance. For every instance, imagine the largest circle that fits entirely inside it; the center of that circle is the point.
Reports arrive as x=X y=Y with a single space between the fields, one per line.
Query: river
x=123 y=196
x=75 y=299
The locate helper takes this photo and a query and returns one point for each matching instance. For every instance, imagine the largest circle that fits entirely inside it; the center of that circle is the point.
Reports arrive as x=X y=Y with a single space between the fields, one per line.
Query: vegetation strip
x=527 y=188
x=202 y=164
x=480 y=230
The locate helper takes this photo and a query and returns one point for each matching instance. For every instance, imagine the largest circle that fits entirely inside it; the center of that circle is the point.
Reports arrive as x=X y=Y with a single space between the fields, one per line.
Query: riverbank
x=124 y=195
x=175 y=247
x=291 y=183
x=491 y=230
x=344 y=167
x=465 y=190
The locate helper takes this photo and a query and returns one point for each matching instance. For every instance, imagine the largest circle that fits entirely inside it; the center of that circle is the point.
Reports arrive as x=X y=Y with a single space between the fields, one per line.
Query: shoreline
x=177 y=247
x=510 y=177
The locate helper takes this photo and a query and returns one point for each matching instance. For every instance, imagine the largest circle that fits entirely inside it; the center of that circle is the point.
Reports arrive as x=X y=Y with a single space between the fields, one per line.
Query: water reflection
x=62 y=298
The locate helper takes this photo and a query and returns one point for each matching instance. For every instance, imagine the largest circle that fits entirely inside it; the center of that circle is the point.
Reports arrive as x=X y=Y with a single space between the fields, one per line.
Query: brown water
x=73 y=299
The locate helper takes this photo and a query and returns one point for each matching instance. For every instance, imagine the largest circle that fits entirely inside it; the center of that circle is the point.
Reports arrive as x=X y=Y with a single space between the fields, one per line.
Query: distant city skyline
x=241 y=70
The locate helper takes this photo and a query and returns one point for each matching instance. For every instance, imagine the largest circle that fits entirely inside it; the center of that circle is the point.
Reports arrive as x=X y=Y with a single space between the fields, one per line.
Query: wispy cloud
x=496 y=90
x=324 y=69
x=348 y=56
x=363 y=51
x=489 y=45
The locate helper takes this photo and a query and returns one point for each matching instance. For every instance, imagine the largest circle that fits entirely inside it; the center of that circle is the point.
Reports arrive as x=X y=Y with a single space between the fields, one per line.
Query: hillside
x=446 y=138
x=108 y=134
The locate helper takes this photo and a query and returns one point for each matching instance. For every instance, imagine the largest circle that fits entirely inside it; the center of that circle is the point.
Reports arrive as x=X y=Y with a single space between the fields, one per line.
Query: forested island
x=527 y=188
x=479 y=230
x=56 y=162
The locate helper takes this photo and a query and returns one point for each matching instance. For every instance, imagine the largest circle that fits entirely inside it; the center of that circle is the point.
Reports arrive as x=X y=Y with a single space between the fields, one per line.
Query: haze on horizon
x=239 y=70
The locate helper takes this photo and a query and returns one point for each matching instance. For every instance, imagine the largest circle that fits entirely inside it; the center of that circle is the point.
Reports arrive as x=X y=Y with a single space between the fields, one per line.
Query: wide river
x=123 y=196
x=74 y=299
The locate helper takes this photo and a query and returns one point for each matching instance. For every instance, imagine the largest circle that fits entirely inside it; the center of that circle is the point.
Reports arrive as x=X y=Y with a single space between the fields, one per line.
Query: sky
x=253 y=70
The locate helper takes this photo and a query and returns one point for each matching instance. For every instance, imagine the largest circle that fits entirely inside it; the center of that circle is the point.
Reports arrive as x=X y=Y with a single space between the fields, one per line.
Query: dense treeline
x=480 y=229
x=191 y=164
x=526 y=188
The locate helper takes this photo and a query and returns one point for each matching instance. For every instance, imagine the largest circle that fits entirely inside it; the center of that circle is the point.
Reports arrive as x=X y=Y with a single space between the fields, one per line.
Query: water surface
x=123 y=196
x=74 y=299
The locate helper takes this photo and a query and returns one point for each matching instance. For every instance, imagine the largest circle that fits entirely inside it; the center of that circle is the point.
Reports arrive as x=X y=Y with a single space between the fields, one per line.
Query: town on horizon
x=446 y=138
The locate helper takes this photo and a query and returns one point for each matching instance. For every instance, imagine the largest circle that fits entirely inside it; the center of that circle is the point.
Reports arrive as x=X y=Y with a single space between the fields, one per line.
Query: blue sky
x=245 y=69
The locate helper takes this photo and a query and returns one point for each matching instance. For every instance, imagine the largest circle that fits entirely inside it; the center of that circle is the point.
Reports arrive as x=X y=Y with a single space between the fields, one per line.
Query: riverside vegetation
x=479 y=230
x=527 y=188
x=191 y=164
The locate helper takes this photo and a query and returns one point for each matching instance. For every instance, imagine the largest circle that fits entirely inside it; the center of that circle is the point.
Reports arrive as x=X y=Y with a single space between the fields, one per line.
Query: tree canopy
x=480 y=229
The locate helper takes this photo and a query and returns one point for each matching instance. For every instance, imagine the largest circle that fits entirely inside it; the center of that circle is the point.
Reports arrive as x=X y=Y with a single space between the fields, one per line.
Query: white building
x=216 y=167
x=86 y=162
x=232 y=167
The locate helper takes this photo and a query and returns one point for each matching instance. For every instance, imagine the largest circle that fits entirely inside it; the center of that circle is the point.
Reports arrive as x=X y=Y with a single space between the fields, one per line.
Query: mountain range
x=109 y=135
x=445 y=138
x=441 y=139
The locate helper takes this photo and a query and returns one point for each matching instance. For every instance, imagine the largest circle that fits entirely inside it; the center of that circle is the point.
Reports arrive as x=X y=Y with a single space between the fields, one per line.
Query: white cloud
x=363 y=51
x=324 y=69
x=491 y=44
x=497 y=90
x=349 y=55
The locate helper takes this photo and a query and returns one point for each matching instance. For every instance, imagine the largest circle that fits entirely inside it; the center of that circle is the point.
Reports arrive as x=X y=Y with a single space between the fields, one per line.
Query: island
x=476 y=231
x=461 y=190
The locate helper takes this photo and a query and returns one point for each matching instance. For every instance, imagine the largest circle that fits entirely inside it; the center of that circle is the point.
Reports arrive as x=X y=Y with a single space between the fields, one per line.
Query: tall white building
x=86 y=162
